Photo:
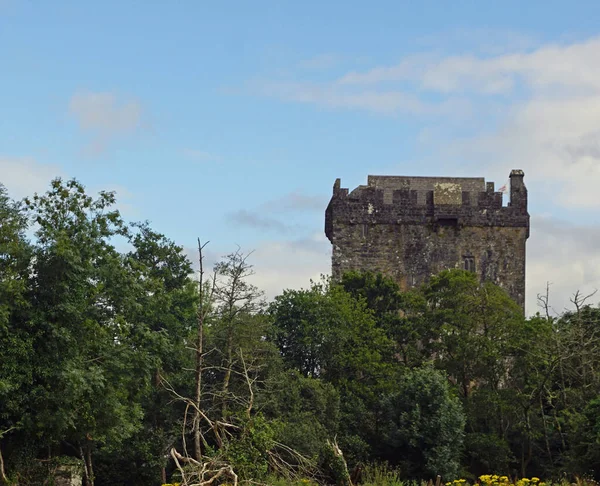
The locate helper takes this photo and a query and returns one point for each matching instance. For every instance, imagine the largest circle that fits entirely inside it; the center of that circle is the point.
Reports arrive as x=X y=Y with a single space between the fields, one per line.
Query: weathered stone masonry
x=413 y=227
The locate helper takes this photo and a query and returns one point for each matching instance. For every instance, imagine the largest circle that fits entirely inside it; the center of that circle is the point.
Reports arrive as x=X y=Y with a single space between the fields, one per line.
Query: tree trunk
x=546 y=438
x=227 y=377
x=338 y=465
x=198 y=392
x=203 y=310
x=90 y=468
x=86 y=456
x=3 y=478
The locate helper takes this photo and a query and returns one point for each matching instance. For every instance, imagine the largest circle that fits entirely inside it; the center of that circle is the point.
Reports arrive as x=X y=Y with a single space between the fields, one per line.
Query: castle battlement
x=412 y=227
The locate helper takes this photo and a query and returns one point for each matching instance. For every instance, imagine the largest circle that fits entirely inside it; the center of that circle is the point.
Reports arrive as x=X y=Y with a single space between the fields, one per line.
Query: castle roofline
x=470 y=184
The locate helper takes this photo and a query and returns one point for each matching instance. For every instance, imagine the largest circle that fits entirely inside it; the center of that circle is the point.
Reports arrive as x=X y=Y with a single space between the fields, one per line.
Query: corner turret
x=518 y=191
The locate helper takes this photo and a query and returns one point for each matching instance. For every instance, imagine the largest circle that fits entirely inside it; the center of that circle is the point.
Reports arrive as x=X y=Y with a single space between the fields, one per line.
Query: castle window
x=448 y=221
x=469 y=263
x=365 y=230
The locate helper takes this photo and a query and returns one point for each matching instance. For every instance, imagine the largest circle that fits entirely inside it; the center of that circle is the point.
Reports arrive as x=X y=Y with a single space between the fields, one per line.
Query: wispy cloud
x=481 y=40
x=125 y=199
x=104 y=119
x=387 y=102
x=255 y=220
x=23 y=176
x=278 y=265
x=290 y=264
x=552 y=66
x=296 y=201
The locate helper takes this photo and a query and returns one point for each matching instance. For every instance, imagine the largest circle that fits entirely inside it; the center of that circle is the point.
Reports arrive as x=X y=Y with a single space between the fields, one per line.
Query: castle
x=413 y=227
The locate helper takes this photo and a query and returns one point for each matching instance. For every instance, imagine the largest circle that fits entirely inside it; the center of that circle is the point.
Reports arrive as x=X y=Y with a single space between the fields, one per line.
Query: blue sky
x=231 y=121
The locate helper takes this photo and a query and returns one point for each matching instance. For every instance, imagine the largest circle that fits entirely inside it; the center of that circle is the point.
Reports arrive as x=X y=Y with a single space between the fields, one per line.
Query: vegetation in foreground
x=113 y=359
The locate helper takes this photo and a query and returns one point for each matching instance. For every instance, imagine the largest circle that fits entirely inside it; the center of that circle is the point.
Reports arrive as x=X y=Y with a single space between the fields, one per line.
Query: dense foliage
x=100 y=365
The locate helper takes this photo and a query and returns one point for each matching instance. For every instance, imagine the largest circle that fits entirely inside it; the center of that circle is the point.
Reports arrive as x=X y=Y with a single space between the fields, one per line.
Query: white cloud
x=555 y=66
x=387 y=102
x=124 y=199
x=290 y=264
x=538 y=110
x=556 y=142
x=104 y=119
x=23 y=176
x=564 y=255
x=277 y=265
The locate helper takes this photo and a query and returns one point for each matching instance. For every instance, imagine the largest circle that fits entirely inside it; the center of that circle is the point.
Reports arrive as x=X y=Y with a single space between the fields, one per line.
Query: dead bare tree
x=235 y=299
x=229 y=304
x=579 y=300
x=206 y=291
x=202 y=473
x=338 y=464
x=543 y=301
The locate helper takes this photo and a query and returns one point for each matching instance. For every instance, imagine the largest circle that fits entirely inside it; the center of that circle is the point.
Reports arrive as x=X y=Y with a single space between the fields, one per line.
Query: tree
x=306 y=410
x=237 y=302
x=325 y=333
x=162 y=305
x=87 y=372
x=399 y=314
x=472 y=328
x=570 y=395
x=233 y=360
x=424 y=425
x=16 y=347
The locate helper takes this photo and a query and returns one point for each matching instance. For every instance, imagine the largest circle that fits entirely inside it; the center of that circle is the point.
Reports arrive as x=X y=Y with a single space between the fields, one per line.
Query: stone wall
x=413 y=227
x=68 y=476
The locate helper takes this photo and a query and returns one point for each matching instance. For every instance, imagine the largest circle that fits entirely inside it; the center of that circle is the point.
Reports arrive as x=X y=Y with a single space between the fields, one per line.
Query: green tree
x=87 y=376
x=473 y=328
x=307 y=410
x=162 y=305
x=399 y=314
x=571 y=395
x=325 y=333
x=424 y=426
x=16 y=346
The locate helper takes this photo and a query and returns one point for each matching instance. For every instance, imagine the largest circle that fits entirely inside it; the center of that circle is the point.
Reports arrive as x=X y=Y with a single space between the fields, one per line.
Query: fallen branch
x=202 y=473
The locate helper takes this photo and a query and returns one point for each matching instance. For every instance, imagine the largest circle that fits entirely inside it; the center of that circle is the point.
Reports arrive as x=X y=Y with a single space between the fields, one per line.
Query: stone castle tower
x=413 y=227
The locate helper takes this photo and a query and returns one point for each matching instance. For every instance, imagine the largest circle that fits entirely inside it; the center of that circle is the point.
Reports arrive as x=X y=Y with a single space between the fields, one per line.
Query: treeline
x=113 y=357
